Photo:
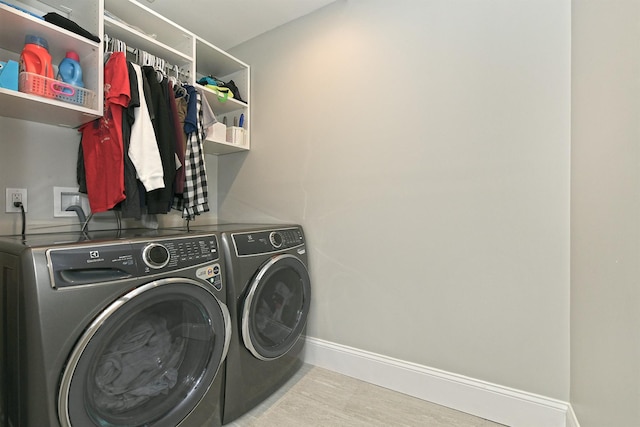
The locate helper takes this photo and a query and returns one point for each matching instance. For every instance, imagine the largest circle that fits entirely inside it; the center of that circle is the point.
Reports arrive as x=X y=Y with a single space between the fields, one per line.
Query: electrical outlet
x=63 y=197
x=14 y=196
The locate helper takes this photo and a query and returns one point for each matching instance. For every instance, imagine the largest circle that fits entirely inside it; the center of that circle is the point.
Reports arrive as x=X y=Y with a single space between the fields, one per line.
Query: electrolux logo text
x=94 y=256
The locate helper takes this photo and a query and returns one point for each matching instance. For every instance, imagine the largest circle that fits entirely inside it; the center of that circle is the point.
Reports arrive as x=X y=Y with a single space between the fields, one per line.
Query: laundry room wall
x=424 y=146
x=36 y=157
x=39 y=157
x=605 y=213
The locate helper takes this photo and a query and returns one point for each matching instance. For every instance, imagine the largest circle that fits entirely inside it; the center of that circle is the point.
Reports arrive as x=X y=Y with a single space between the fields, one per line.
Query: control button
x=155 y=255
x=276 y=239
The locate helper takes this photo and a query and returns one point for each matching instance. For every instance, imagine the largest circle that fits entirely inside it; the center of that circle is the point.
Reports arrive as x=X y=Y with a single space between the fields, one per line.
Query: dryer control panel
x=91 y=264
x=267 y=241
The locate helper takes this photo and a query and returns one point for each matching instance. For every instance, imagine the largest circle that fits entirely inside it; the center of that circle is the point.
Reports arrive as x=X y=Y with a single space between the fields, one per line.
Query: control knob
x=155 y=255
x=276 y=239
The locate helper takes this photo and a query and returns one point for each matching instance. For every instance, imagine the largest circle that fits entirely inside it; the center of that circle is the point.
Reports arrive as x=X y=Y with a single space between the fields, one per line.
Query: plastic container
x=70 y=71
x=236 y=135
x=217 y=132
x=35 y=57
x=9 y=75
x=51 y=88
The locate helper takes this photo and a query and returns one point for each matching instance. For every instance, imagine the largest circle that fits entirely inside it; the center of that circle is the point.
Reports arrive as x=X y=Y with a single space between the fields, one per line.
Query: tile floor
x=319 y=397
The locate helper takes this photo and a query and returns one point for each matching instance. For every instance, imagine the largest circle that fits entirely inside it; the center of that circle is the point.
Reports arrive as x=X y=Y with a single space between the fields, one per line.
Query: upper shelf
x=211 y=60
x=14 y=26
x=138 y=20
x=139 y=40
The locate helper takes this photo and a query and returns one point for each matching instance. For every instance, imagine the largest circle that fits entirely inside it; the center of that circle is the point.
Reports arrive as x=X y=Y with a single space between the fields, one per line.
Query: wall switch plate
x=15 y=194
x=63 y=197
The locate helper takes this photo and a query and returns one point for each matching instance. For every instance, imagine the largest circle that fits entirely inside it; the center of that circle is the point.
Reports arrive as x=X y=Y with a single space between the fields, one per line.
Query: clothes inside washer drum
x=140 y=364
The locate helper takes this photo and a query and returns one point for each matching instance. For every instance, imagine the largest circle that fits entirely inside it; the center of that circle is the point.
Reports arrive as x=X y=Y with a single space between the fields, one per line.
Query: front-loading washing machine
x=269 y=296
x=128 y=329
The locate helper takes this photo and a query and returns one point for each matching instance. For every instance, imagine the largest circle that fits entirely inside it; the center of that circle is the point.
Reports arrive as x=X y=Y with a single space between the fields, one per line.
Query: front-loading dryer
x=269 y=296
x=112 y=330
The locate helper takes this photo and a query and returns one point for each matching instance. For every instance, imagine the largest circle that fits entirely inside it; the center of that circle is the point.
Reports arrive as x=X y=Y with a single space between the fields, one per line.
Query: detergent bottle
x=69 y=70
x=35 y=57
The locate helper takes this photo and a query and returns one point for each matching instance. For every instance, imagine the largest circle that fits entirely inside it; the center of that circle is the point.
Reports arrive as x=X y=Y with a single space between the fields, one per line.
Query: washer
x=269 y=295
x=116 y=330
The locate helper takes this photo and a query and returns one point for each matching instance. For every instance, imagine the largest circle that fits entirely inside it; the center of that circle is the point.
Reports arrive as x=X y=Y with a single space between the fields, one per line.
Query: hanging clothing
x=178 y=183
x=102 y=143
x=194 y=200
x=143 y=149
x=191 y=119
x=130 y=207
x=208 y=118
x=159 y=201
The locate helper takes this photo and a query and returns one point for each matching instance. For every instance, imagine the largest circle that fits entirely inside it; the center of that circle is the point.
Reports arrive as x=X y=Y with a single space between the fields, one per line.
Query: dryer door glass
x=276 y=307
x=147 y=359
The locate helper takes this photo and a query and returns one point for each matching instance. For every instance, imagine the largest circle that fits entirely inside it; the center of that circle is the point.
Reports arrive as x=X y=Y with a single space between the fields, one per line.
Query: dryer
x=125 y=329
x=269 y=296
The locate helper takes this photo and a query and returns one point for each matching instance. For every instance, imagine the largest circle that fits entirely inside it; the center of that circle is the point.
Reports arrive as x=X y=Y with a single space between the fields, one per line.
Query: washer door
x=276 y=307
x=147 y=359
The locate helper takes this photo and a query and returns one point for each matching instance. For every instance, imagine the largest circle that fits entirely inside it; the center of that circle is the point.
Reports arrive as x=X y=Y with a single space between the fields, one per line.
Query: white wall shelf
x=212 y=61
x=14 y=26
x=139 y=40
x=147 y=30
x=140 y=28
x=219 y=148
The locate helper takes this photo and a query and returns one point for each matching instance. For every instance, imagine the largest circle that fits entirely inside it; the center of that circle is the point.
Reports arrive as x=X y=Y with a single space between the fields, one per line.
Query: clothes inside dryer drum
x=275 y=308
x=269 y=319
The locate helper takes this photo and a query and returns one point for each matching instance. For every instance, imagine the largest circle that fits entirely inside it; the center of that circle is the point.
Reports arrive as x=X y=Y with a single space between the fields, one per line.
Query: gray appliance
x=269 y=296
x=124 y=329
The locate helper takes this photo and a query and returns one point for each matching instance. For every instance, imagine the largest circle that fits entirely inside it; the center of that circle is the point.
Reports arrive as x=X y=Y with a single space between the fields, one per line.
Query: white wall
x=605 y=219
x=424 y=146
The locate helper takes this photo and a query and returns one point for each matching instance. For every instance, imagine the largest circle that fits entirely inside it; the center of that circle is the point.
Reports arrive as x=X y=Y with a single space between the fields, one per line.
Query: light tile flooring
x=318 y=397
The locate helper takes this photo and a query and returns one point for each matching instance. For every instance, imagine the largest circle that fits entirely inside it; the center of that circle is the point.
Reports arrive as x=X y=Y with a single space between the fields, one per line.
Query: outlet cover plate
x=9 y=202
x=63 y=197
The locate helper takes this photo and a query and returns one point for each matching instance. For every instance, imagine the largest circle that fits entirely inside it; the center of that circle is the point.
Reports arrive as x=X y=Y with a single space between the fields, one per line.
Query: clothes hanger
x=172 y=79
x=159 y=66
x=107 y=48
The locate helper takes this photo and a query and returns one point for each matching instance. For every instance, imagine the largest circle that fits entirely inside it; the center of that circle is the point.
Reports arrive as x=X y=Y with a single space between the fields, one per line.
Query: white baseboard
x=572 y=420
x=500 y=404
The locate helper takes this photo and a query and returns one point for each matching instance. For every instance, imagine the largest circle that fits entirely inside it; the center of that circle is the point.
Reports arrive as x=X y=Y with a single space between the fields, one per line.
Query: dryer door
x=276 y=307
x=147 y=359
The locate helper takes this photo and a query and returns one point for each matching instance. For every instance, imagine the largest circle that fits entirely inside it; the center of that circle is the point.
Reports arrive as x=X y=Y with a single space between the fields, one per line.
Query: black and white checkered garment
x=194 y=199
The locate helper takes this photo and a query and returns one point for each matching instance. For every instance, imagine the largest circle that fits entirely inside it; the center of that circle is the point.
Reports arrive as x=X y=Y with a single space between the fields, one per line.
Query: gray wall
x=605 y=219
x=36 y=157
x=425 y=147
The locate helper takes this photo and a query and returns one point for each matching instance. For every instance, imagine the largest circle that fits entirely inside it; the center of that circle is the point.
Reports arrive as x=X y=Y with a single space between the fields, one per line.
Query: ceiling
x=227 y=23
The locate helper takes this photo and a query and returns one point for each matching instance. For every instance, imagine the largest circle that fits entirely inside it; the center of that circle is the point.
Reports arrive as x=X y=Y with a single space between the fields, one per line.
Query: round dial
x=276 y=239
x=155 y=255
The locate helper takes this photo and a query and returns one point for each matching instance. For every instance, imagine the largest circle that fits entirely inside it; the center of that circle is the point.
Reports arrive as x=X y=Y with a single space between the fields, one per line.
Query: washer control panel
x=264 y=242
x=90 y=264
x=177 y=253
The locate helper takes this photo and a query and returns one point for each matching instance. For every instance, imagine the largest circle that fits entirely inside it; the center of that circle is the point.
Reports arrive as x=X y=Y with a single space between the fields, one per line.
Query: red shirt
x=102 y=143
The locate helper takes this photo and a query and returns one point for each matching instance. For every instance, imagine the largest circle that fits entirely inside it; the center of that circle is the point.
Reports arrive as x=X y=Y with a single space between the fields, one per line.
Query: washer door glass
x=148 y=359
x=276 y=307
